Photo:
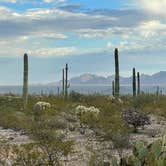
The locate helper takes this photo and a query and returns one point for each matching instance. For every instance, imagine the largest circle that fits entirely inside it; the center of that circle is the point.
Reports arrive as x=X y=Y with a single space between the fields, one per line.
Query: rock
x=41 y=106
x=82 y=131
x=71 y=127
x=10 y=138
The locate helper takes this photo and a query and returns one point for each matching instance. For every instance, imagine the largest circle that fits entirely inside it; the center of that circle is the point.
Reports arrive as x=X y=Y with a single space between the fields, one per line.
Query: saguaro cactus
x=25 y=82
x=117 y=86
x=113 y=88
x=63 y=82
x=157 y=92
x=66 y=81
x=138 y=83
x=134 y=83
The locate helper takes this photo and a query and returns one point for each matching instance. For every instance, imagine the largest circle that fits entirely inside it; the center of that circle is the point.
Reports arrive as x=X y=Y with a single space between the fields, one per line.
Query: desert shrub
x=35 y=153
x=135 y=118
x=50 y=138
x=70 y=117
x=110 y=121
x=96 y=159
x=142 y=100
x=75 y=96
x=14 y=120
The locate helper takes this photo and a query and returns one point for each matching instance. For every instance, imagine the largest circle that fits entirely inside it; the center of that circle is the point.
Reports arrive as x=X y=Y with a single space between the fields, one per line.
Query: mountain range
x=89 y=79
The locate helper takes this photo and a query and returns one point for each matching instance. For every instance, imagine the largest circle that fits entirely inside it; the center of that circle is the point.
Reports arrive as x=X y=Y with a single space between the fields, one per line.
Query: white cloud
x=152 y=28
x=9 y=1
x=155 y=6
x=55 y=52
x=128 y=27
x=53 y=1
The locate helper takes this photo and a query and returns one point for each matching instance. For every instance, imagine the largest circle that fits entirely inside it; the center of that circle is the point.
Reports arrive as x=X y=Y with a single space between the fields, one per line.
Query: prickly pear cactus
x=164 y=141
x=143 y=155
x=133 y=161
x=140 y=150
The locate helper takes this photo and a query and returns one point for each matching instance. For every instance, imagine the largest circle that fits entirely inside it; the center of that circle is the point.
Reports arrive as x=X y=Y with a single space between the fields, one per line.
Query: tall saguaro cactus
x=138 y=83
x=134 y=83
x=25 y=82
x=157 y=92
x=113 y=88
x=66 y=81
x=63 y=82
x=117 y=84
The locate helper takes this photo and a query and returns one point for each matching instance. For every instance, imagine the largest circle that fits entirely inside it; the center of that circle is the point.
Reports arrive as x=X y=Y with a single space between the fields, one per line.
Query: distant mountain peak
x=88 y=78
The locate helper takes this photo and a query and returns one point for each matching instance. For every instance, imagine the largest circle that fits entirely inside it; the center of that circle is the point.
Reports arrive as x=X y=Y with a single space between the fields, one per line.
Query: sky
x=82 y=33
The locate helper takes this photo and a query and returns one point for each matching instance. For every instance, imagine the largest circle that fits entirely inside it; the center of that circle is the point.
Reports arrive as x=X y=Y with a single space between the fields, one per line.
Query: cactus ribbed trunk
x=66 y=81
x=138 y=83
x=117 y=86
x=157 y=92
x=113 y=88
x=25 y=82
x=58 y=91
x=63 y=82
x=134 y=83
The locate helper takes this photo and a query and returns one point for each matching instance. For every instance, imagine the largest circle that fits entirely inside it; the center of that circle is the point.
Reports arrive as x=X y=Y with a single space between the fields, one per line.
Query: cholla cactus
x=83 y=110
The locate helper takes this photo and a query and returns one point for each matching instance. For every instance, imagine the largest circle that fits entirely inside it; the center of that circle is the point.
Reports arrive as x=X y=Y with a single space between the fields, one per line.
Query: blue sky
x=83 y=33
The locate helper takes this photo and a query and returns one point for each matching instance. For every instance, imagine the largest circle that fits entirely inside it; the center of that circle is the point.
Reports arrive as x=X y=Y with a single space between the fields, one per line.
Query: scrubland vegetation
x=74 y=129
x=48 y=128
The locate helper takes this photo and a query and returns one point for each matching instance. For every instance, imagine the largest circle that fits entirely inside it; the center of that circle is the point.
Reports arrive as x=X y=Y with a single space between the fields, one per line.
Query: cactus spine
x=134 y=83
x=63 y=82
x=66 y=81
x=25 y=82
x=117 y=86
x=138 y=83
x=113 y=88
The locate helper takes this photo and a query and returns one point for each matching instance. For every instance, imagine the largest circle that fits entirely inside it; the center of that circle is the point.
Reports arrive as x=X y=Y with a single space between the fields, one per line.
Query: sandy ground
x=13 y=137
x=86 y=144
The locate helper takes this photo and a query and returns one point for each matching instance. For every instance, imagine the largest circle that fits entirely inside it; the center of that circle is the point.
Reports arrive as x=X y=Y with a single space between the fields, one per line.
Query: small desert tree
x=135 y=118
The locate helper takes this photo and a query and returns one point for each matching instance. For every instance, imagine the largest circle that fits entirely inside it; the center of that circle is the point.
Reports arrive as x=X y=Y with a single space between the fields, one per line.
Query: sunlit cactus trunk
x=117 y=84
x=134 y=83
x=25 y=82
x=138 y=83
x=113 y=88
x=66 y=82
